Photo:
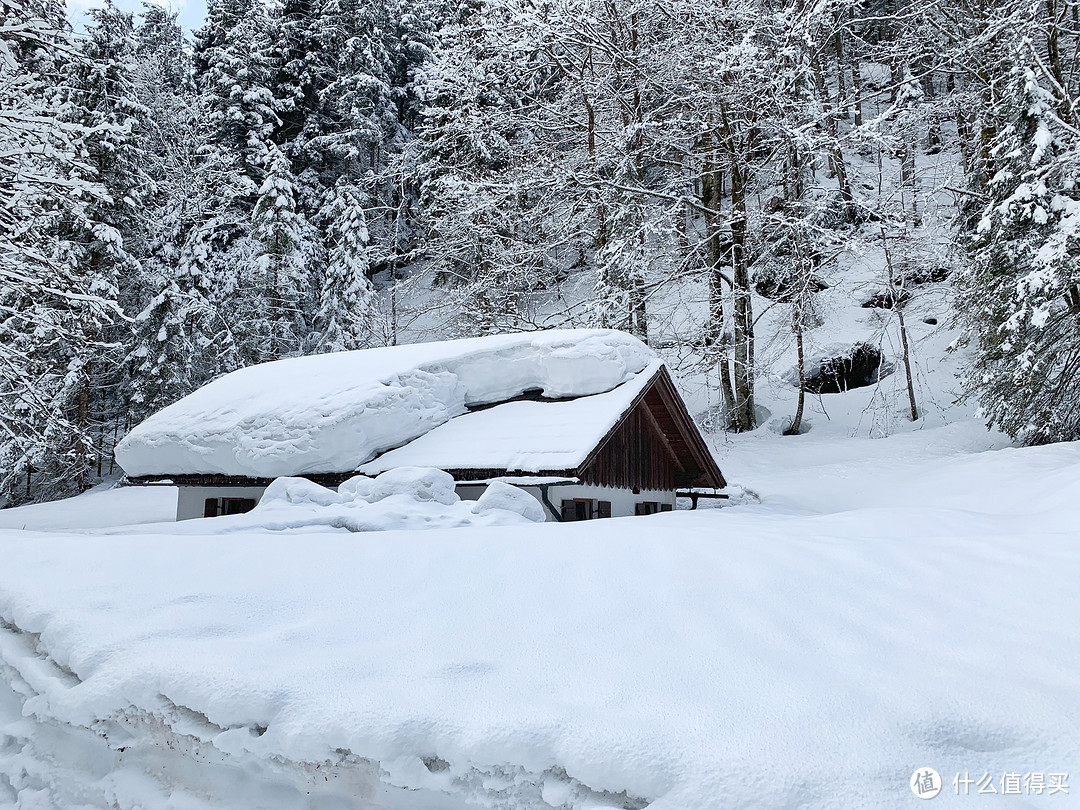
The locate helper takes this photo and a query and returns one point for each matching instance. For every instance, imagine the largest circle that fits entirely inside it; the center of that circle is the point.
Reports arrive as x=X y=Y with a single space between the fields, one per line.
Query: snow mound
x=299 y=491
x=356 y=488
x=100 y=507
x=333 y=412
x=418 y=483
x=502 y=496
x=408 y=498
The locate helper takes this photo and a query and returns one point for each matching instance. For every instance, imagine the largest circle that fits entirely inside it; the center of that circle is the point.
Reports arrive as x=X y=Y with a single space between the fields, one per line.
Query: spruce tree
x=1021 y=295
x=347 y=308
x=278 y=267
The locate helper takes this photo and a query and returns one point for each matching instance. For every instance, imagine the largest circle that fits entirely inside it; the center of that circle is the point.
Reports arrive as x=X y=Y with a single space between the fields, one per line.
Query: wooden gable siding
x=658 y=414
x=635 y=456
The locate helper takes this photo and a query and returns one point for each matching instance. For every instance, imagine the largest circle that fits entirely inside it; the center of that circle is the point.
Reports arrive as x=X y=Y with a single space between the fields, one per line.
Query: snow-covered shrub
x=356 y=488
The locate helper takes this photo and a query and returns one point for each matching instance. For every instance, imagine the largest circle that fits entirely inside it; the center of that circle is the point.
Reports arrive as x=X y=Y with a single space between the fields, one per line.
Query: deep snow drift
x=413 y=498
x=801 y=652
x=333 y=412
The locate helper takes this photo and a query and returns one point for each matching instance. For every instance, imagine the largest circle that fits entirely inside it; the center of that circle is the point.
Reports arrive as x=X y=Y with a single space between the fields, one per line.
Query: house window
x=213 y=507
x=665 y=507
x=646 y=508
x=577 y=509
x=603 y=509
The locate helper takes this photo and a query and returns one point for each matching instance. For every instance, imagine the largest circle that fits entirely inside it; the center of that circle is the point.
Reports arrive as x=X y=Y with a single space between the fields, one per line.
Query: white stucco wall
x=191 y=500
x=623 y=501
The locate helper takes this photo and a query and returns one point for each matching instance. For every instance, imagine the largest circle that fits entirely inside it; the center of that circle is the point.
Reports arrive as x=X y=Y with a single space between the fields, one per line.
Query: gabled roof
x=660 y=406
x=456 y=405
x=563 y=439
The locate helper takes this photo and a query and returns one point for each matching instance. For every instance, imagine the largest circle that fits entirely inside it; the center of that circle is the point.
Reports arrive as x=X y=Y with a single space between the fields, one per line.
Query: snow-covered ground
x=105 y=505
x=889 y=604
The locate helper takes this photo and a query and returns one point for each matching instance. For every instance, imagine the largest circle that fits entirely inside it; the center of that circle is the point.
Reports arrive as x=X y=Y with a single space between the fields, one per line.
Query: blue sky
x=191 y=12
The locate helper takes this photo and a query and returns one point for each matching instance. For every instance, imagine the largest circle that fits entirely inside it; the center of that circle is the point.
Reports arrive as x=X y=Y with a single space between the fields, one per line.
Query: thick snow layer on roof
x=333 y=412
x=526 y=436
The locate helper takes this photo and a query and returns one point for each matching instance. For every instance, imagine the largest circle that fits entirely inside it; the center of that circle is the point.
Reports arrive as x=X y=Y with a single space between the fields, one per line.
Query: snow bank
x=500 y=496
x=333 y=412
x=411 y=498
x=737 y=658
x=97 y=508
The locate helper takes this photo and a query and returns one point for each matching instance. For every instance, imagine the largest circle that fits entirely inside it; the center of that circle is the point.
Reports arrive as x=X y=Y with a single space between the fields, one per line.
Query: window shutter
x=603 y=509
x=665 y=507
x=568 y=510
x=639 y=509
x=210 y=507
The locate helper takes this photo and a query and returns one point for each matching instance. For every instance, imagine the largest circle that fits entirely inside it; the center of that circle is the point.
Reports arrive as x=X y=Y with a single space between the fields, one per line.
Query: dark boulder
x=887 y=299
x=859 y=366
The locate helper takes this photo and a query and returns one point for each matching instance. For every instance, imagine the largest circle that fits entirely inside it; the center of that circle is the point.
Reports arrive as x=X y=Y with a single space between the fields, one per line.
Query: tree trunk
x=907 y=362
x=907 y=174
x=796 y=323
x=897 y=297
x=841 y=83
x=82 y=425
x=836 y=155
x=711 y=200
x=639 y=322
x=745 y=418
x=856 y=74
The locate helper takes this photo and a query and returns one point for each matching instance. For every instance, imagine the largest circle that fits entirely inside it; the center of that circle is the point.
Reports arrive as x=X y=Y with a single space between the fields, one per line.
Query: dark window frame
x=230 y=505
x=575 y=509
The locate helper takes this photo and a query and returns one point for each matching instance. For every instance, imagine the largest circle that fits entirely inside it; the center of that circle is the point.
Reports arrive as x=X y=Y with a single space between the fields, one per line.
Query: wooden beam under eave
x=663 y=437
x=691 y=433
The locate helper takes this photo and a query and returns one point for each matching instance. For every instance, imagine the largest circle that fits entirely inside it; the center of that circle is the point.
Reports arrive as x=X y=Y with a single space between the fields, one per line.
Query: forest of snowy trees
x=322 y=175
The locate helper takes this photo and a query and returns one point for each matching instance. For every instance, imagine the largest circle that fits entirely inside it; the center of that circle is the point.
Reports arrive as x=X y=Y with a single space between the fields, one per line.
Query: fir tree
x=1021 y=297
x=279 y=266
x=347 y=303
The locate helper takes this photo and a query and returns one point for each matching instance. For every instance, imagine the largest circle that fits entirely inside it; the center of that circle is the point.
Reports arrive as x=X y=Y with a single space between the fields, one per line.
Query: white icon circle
x=925 y=783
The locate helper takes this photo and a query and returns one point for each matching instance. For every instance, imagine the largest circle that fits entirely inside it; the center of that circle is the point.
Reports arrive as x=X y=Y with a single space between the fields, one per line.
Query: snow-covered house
x=588 y=421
